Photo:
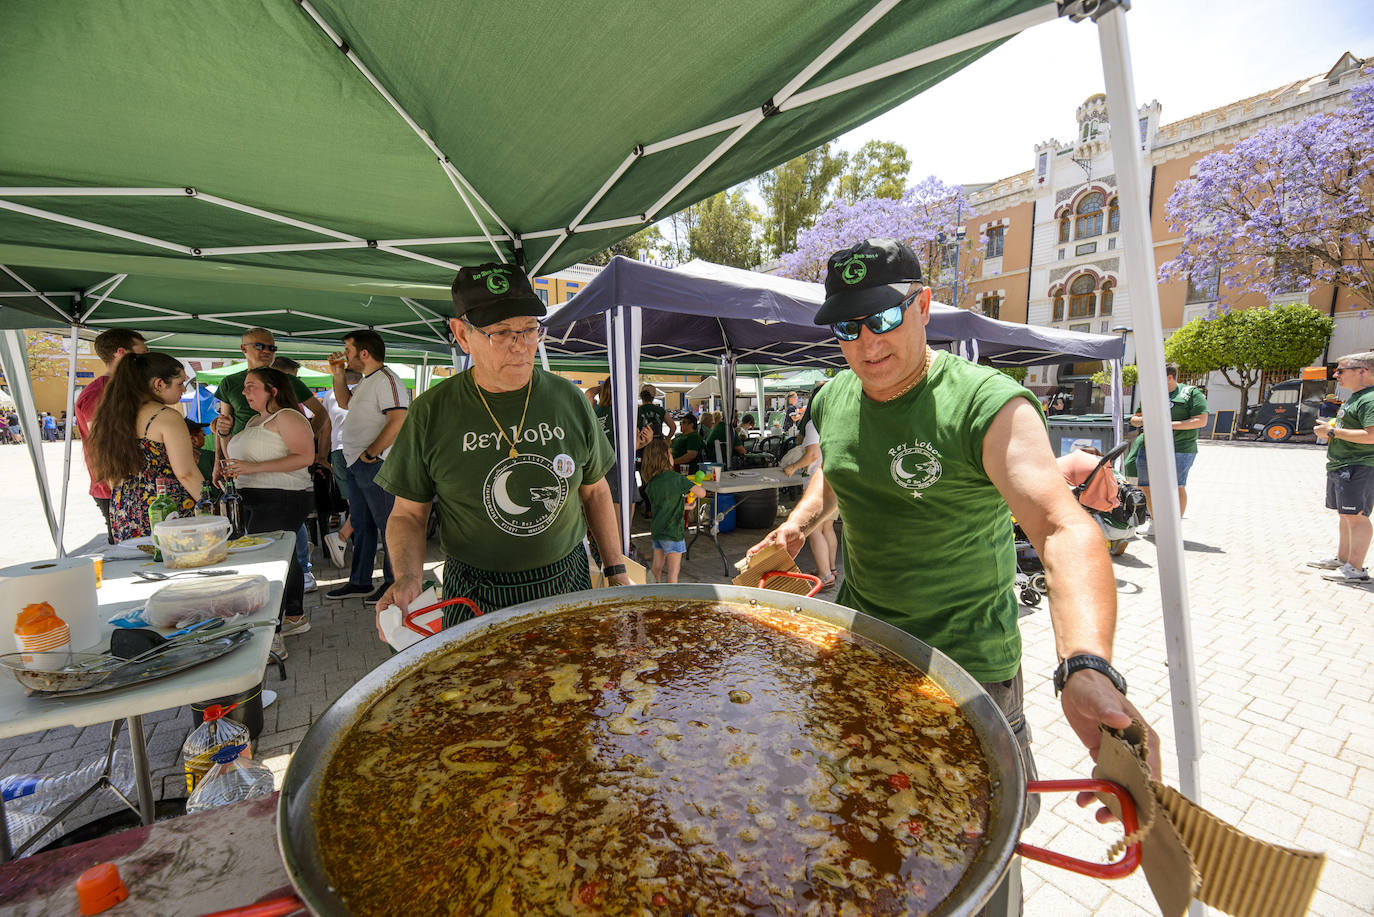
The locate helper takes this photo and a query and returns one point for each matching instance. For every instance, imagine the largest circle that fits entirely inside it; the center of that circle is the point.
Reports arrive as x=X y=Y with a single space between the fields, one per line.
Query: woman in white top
x=271 y=458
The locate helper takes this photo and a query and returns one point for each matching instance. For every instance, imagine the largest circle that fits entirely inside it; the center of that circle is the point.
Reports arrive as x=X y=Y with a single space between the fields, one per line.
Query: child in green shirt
x=667 y=491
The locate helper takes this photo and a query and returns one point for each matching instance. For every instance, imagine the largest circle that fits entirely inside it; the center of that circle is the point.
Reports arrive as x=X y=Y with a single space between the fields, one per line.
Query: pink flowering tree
x=928 y=217
x=1287 y=208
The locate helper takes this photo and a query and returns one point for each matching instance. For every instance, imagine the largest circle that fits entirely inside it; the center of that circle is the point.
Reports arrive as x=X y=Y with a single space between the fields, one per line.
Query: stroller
x=1117 y=507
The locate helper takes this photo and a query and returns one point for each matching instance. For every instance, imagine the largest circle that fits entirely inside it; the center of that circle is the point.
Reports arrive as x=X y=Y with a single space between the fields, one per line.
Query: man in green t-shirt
x=514 y=457
x=653 y=416
x=926 y=456
x=688 y=446
x=1187 y=414
x=1350 y=468
x=259 y=349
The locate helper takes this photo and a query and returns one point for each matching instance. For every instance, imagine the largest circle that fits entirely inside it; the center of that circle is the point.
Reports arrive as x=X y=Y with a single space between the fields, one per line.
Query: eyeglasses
x=1346 y=369
x=506 y=337
x=260 y=346
x=879 y=322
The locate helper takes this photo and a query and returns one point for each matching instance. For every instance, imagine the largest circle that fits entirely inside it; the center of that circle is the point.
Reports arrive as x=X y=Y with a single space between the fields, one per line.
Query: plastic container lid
x=192 y=533
x=100 y=888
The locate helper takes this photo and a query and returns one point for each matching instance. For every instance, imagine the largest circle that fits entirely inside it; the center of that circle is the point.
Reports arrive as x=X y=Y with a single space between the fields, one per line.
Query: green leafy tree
x=794 y=193
x=725 y=230
x=1129 y=376
x=879 y=168
x=1244 y=344
x=647 y=239
x=47 y=355
x=1017 y=373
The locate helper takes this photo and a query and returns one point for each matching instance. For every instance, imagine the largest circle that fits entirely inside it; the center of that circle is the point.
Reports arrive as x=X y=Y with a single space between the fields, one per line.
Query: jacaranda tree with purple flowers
x=1282 y=210
x=926 y=217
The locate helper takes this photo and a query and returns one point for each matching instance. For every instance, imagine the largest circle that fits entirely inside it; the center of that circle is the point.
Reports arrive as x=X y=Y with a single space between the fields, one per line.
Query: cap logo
x=497 y=283
x=853 y=270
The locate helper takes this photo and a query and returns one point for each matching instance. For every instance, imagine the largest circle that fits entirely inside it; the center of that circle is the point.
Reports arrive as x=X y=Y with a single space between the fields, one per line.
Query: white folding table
x=232 y=673
x=742 y=483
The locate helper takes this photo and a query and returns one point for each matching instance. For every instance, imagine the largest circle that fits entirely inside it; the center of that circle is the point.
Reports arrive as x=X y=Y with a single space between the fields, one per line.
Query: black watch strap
x=1087 y=661
x=613 y=569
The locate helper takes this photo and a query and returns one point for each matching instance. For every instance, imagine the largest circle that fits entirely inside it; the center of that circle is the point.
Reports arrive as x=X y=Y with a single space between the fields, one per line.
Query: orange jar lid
x=38 y=618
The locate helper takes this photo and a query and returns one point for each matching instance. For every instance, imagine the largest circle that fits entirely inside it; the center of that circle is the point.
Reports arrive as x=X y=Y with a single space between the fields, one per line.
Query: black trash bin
x=756 y=509
x=248 y=710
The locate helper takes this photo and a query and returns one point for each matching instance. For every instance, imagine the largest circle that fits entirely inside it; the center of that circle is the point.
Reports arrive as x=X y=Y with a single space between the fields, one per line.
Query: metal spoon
x=159 y=577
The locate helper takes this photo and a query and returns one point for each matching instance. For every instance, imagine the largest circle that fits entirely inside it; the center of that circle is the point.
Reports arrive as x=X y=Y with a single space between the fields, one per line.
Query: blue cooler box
x=724 y=504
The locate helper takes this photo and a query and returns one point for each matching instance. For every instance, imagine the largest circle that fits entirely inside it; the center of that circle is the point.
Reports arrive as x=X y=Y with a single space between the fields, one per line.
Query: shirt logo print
x=524 y=495
x=915 y=467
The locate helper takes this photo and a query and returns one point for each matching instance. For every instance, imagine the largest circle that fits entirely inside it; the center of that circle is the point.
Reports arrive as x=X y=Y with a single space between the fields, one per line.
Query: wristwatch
x=369 y=456
x=613 y=570
x=1086 y=661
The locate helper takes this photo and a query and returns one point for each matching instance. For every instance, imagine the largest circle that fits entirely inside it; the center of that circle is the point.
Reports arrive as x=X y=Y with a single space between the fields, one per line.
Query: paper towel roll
x=68 y=585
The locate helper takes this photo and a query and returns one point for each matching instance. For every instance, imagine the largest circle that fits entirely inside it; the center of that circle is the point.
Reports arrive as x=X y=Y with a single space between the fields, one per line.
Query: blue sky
x=983 y=123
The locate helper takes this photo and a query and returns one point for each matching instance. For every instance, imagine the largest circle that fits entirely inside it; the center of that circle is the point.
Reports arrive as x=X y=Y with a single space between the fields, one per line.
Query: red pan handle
x=275 y=907
x=815 y=581
x=1118 y=870
x=409 y=619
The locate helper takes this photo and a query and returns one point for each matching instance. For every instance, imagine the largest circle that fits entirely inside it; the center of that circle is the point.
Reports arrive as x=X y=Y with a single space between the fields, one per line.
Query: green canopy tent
x=310 y=377
x=350 y=155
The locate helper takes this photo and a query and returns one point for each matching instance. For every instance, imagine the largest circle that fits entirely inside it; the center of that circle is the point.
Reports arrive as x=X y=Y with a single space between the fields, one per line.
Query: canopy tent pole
x=1139 y=262
x=15 y=365
x=726 y=373
x=624 y=328
x=1118 y=420
x=67 y=442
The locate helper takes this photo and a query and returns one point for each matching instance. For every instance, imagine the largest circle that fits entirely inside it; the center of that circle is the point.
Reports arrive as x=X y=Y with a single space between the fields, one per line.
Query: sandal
x=828 y=581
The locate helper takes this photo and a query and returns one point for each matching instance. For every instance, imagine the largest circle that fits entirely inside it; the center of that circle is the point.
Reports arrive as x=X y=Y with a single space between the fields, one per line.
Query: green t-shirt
x=603 y=418
x=1358 y=414
x=686 y=442
x=667 y=493
x=1184 y=402
x=496 y=512
x=928 y=543
x=651 y=415
x=717 y=434
x=230 y=391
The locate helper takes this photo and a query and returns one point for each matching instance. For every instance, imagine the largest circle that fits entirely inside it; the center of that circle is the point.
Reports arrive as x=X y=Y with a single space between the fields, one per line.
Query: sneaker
x=298 y=624
x=1328 y=563
x=278 y=647
x=347 y=591
x=335 y=546
x=1348 y=574
x=310 y=585
x=377 y=594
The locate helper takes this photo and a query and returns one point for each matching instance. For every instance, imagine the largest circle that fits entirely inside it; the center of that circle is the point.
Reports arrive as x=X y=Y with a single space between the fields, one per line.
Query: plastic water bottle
x=215 y=732
x=23 y=826
x=234 y=777
x=33 y=793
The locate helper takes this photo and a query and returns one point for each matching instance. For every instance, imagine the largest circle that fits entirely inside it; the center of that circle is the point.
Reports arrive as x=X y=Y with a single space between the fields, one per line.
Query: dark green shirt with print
x=230 y=391
x=1184 y=402
x=603 y=419
x=1356 y=414
x=667 y=492
x=717 y=435
x=651 y=415
x=496 y=512
x=686 y=442
x=927 y=536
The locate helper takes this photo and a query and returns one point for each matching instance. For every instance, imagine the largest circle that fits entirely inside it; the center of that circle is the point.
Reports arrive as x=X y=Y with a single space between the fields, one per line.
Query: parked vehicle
x=1288 y=410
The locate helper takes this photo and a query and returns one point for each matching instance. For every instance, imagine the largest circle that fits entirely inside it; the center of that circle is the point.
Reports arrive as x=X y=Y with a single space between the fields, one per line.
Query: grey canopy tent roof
x=704 y=311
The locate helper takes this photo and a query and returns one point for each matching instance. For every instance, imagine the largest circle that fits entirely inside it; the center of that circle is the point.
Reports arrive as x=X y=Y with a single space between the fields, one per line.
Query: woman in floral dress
x=139 y=437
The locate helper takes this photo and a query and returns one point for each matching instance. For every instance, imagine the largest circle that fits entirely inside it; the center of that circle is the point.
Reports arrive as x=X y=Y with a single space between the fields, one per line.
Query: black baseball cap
x=857 y=279
x=493 y=292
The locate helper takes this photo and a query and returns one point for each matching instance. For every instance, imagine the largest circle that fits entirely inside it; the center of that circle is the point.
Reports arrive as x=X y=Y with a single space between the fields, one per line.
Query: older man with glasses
x=1350 y=469
x=926 y=456
x=259 y=349
x=514 y=456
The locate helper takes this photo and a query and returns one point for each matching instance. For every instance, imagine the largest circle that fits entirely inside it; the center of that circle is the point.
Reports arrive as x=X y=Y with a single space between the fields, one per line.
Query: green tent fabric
x=310 y=377
x=226 y=164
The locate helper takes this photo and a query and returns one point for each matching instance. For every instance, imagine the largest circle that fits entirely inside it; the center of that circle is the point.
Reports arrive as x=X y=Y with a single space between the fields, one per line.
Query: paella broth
x=662 y=759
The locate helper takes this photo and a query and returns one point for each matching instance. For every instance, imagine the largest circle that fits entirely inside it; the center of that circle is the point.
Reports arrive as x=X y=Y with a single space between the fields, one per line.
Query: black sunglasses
x=270 y=348
x=879 y=322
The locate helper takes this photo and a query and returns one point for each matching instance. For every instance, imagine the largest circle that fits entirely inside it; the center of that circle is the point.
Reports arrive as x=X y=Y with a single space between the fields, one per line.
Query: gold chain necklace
x=925 y=367
x=529 y=386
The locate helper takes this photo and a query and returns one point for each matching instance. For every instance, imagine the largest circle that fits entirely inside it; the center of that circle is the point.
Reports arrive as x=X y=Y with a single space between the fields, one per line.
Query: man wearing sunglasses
x=259 y=349
x=1350 y=468
x=515 y=457
x=923 y=454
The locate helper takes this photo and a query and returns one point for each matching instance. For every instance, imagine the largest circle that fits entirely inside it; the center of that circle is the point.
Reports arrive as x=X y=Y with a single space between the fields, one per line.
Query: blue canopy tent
x=731 y=317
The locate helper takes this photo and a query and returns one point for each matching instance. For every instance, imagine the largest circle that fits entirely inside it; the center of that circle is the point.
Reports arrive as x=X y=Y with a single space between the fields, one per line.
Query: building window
x=992 y=306
x=1290 y=269
x=1064 y=230
x=1111 y=243
x=1107 y=296
x=1062 y=254
x=1042 y=164
x=1082 y=296
x=1206 y=289
x=997 y=236
x=1059 y=308
x=543 y=295
x=1089 y=221
x=1084 y=327
x=1113 y=217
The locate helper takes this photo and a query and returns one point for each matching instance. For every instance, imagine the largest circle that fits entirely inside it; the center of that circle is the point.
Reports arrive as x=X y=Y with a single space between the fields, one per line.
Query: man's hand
x=369 y=461
x=787 y=536
x=1090 y=699
x=620 y=579
x=224 y=425
x=1322 y=428
x=1137 y=420
x=401 y=594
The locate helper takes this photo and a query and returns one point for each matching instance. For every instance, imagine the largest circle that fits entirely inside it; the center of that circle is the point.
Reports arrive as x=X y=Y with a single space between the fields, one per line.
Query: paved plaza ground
x=1285 y=673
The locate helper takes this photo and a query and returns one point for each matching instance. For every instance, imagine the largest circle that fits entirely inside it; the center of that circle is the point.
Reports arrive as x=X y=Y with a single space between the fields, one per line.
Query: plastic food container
x=180 y=604
x=193 y=542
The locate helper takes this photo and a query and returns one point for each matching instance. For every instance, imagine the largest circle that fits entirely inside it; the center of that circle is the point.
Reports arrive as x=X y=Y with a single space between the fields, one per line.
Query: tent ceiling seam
x=452 y=175
x=95 y=227
x=119 y=278
x=25 y=284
